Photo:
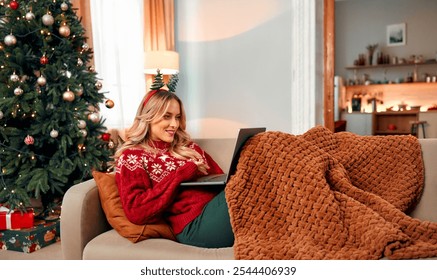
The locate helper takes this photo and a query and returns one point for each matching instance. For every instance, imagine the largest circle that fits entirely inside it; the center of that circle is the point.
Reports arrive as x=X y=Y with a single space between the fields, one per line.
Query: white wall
x=359 y=23
x=235 y=65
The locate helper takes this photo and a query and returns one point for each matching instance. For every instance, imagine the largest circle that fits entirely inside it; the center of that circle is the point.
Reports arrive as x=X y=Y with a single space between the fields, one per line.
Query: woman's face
x=164 y=129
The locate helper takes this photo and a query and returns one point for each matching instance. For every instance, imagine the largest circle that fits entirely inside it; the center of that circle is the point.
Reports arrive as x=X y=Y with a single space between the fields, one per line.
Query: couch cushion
x=111 y=204
x=111 y=246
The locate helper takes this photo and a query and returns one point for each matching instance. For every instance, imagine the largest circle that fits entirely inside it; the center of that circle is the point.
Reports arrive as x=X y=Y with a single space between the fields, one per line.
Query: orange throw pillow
x=116 y=217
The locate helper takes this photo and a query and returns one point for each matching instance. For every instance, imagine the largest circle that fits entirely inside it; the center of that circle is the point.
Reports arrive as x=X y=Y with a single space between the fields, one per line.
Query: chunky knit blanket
x=324 y=195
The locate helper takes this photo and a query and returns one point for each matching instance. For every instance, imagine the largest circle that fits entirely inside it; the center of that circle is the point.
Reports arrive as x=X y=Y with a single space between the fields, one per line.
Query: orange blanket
x=322 y=195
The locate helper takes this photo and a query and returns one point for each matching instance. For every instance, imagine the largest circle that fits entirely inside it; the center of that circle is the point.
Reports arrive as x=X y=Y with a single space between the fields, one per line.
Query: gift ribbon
x=8 y=217
x=8 y=221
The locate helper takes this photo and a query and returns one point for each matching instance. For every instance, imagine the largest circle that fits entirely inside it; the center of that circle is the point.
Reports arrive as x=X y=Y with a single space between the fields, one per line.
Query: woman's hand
x=202 y=166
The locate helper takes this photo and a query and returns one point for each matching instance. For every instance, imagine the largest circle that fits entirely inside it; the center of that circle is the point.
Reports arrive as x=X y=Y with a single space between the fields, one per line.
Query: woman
x=150 y=165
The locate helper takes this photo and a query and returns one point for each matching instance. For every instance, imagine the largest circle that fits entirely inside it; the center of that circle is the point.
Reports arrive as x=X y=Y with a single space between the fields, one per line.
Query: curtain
x=159 y=25
x=119 y=32
x=158 y=29
x=118 y=54
x=306 y=76
x=84 y=14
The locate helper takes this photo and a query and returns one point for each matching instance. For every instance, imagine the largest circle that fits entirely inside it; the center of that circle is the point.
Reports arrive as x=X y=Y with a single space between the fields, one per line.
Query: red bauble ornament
x=106 y=137
x=29 y=140
x=14 y=5
x=44 y=60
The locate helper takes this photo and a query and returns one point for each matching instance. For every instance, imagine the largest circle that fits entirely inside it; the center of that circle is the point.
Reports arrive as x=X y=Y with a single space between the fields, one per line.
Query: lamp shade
x=166 y=61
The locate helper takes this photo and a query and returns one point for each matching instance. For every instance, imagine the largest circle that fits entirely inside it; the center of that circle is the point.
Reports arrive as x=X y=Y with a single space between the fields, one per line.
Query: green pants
x=212 y=228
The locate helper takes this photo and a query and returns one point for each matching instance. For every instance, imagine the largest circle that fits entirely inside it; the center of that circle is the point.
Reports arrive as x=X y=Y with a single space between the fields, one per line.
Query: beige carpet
x=51 y=252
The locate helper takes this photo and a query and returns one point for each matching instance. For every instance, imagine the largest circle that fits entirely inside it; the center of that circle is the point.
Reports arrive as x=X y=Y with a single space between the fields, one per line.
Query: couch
x=86 y=234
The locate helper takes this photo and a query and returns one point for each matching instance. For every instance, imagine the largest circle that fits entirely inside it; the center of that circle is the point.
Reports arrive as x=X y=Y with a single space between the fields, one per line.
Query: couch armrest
x=82 y=219
x=427 y=207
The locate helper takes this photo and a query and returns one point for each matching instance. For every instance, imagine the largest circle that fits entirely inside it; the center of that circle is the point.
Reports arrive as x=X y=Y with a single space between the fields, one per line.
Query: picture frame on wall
x=396 y=35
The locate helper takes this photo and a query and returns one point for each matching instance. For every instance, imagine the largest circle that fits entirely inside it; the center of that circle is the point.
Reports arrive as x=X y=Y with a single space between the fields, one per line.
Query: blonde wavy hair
x=139 y=134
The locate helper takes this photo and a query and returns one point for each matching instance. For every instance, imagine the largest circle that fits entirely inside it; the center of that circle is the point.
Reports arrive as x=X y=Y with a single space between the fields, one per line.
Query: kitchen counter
x=363 y=123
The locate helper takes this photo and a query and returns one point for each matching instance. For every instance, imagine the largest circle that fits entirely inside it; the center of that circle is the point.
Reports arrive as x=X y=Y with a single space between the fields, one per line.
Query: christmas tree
x=51 y=133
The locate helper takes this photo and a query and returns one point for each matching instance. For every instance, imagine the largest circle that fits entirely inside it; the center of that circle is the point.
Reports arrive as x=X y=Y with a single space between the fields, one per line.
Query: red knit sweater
x=149 y=188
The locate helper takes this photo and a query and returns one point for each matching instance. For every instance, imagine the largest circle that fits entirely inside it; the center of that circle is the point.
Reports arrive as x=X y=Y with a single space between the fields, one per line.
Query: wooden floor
x=51 y=252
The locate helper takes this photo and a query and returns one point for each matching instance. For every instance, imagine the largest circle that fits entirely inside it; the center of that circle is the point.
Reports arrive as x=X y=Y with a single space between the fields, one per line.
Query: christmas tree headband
x=158 y=83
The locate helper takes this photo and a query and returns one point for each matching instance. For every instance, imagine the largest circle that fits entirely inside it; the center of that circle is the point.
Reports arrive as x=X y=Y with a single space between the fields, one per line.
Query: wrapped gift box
x=15 y=219
x=28 y=240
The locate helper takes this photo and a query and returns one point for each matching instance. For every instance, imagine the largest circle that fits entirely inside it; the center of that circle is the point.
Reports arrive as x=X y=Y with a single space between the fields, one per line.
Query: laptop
x=221 y=179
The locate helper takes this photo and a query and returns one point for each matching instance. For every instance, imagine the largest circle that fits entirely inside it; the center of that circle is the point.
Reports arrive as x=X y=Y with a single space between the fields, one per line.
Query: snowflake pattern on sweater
x=158 y=167
x=149 y=185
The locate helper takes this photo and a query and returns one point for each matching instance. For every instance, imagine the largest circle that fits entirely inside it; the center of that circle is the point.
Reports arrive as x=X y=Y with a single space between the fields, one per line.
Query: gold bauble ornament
x=98 y=85
x=81 y=148
x=68 y=96
x=64 y=30
x=109 y=104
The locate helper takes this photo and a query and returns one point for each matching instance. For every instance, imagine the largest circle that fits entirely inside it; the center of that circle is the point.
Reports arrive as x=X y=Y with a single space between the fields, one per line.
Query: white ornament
x=10 y=40
x=65 y=73
x=41 y=81
x=81 y=124
x=54 y=133
x=48 y=20
x=84 y=132
x=79 y=91
x=1 y=115
x=111 y=144
x=85 y=47
x=64 y=6
x=15 y=78
x=30 y=16
x=91 y=108
x=94 y=117
x=18 y=91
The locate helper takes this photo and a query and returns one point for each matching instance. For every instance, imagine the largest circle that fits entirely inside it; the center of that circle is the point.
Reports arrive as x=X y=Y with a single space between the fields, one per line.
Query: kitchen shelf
x=378 y=66
x=418 y=87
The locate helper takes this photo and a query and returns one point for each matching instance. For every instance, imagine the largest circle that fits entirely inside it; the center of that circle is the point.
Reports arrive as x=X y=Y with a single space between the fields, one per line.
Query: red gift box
x=15 y=219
